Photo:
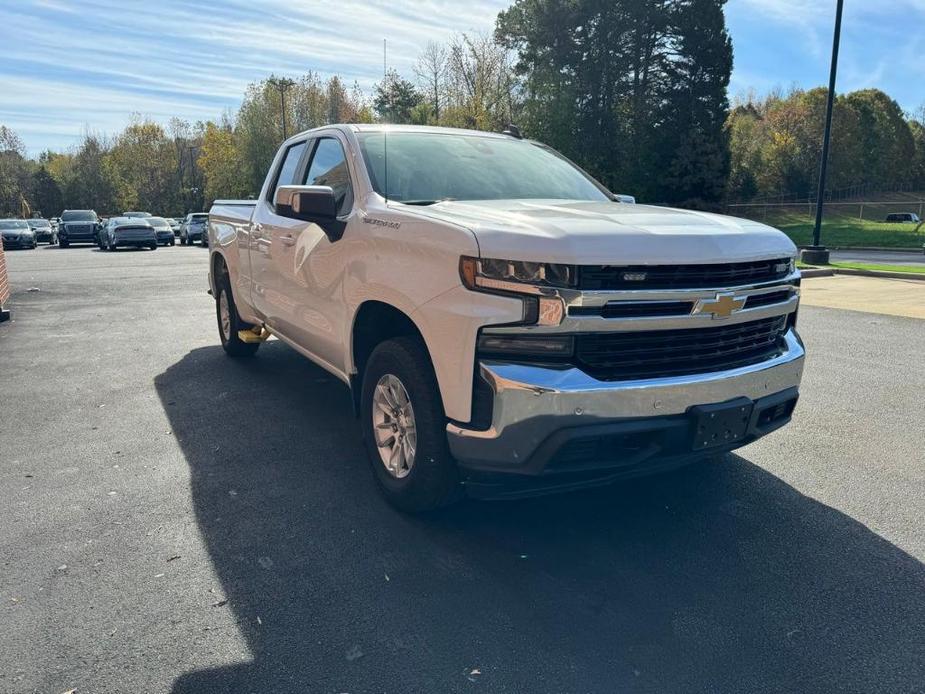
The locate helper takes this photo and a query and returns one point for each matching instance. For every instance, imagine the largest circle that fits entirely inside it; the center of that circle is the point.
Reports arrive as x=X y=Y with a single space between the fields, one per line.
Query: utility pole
x=817 y=253
x=282 y=84
x=192 y=173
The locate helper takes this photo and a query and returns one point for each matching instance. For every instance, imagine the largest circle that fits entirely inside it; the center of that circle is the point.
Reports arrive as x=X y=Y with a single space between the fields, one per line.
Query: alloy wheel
x=394 y=426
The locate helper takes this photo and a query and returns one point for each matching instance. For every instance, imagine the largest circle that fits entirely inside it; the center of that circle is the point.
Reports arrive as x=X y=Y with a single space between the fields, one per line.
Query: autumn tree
x=221 y=163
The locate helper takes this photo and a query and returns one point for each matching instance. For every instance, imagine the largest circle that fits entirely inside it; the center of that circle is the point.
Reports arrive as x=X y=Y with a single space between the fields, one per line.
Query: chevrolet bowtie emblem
x=723 y=306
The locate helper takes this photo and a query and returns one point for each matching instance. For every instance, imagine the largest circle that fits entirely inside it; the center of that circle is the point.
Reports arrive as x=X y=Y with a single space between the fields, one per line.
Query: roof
x=385 y=127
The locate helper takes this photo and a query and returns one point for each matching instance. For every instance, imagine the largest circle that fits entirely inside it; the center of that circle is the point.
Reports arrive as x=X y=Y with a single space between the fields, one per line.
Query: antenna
x=385 y=132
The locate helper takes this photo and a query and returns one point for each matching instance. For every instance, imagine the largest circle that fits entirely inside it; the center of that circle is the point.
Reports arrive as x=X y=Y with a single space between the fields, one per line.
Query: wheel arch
x=217 y=267
x=373 y=323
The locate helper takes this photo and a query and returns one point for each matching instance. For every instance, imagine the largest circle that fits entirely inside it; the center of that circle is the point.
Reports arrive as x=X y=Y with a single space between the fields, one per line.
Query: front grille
x=623 y=356
x=769 y=299
x=635 y=309
x=615 y=277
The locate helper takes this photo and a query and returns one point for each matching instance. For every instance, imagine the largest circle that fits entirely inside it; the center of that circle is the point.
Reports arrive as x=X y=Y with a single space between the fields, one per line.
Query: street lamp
x=817 y=254
x=282 y=84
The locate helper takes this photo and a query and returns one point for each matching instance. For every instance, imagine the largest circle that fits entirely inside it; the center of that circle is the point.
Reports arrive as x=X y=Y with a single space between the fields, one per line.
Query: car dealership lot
x=175 y=520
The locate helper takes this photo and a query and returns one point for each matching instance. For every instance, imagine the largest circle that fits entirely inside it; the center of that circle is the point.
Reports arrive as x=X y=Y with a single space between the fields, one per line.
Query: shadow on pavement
x=715 y=578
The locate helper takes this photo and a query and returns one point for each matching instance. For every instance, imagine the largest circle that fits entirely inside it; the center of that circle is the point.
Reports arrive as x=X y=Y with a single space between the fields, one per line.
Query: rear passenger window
x=290 y=168
x=329 y=168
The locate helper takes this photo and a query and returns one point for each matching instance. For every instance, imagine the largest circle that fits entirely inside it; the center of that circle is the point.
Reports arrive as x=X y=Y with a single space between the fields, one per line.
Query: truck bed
x=232 y=211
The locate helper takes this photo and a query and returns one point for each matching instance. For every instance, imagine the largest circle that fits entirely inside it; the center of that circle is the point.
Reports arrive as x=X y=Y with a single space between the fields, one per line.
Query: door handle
x=287 y=240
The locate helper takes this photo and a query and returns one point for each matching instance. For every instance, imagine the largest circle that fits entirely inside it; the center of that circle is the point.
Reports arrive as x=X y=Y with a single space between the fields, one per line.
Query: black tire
x=433 y=479
x=231 y=343
x=153 y=246
x=64 y=244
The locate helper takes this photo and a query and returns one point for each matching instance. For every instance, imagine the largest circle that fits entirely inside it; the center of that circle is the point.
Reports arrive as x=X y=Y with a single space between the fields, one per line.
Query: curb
x=878 y=249
x=829 y=272
x=918 y=276
x=817 y=272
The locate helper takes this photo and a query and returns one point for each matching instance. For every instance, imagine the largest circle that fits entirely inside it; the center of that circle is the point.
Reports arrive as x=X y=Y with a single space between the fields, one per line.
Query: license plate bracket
x=720 y=424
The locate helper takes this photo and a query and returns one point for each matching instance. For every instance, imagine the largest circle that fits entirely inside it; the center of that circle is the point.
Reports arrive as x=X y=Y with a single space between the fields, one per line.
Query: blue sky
x=68 y=66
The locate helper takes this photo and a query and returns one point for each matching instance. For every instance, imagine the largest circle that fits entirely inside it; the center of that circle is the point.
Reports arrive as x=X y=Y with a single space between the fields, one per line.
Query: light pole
x=817 y=253
x=192 y=173
x=282 y=84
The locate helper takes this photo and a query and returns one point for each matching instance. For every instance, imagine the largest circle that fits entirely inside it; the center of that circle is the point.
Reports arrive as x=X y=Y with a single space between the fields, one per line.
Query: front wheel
x=404 y=428
x=229 y=323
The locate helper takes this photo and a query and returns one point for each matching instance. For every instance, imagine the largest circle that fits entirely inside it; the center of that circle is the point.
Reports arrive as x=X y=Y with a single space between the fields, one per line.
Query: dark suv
x=194 y=229
x=78 y=226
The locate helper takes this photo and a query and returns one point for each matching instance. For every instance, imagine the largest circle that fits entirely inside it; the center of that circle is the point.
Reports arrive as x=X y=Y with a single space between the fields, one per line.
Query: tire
x=63 y=244
x=228 y=333
x=153 y=246
x=431 y=481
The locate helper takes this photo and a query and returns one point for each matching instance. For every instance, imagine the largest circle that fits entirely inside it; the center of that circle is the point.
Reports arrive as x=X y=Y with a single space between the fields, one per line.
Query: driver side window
x=329 y=168
x=288 y=170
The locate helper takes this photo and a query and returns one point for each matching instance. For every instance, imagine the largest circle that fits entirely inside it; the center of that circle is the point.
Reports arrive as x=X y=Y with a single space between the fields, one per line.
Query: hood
x=78 y=224
x=609 y=233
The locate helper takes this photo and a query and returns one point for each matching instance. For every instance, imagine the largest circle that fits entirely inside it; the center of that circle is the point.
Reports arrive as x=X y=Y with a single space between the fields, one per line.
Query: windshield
x=13 y=224
x=428 y=167
x=37 y=223
x=78 y=216
x=136 y=214
x=157 y=221
x=199 y=219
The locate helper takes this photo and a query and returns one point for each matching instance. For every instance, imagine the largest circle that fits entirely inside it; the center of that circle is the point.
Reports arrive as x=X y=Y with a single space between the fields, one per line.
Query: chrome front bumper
x=531 y=403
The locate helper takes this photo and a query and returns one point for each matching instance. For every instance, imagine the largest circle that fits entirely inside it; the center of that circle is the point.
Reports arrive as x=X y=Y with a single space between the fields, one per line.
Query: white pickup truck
x=507 y=326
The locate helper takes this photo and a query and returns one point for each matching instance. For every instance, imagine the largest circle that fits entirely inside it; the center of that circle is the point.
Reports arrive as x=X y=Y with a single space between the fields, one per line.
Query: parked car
x=903 y=218
x=135 y=232
x=174 y=225
x=193 y=228
x=162 y=228
x=17 y=234
x=136 y=214
x=44 y=232
x=78 y=226
x=505 y=326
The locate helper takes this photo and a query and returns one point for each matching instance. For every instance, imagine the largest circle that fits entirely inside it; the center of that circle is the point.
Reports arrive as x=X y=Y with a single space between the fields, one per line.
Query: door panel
x=313 y=267
x=267 y=253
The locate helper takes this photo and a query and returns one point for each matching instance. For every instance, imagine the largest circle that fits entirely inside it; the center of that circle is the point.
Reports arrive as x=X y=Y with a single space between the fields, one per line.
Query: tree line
x=635 y=91
x=775 y=144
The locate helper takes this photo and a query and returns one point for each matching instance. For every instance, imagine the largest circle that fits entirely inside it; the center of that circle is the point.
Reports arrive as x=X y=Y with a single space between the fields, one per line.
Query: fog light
x=533 y=345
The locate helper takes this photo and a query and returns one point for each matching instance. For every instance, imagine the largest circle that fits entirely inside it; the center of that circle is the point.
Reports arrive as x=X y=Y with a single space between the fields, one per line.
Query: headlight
x=533 y=282
x=508 y=275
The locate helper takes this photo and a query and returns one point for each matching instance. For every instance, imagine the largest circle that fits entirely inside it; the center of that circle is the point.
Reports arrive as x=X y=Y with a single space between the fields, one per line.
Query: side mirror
x=315 y=204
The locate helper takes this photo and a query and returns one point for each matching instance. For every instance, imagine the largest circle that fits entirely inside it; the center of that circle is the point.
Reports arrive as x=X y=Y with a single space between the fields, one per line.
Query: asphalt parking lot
x=173 y=520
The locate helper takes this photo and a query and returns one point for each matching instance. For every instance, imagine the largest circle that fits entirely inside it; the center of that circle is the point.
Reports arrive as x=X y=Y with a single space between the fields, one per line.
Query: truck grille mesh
x=623 y=356
x=614 y=277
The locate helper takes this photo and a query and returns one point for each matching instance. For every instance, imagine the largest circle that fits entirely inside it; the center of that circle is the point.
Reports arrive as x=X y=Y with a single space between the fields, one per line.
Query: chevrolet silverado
x=507 y=326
